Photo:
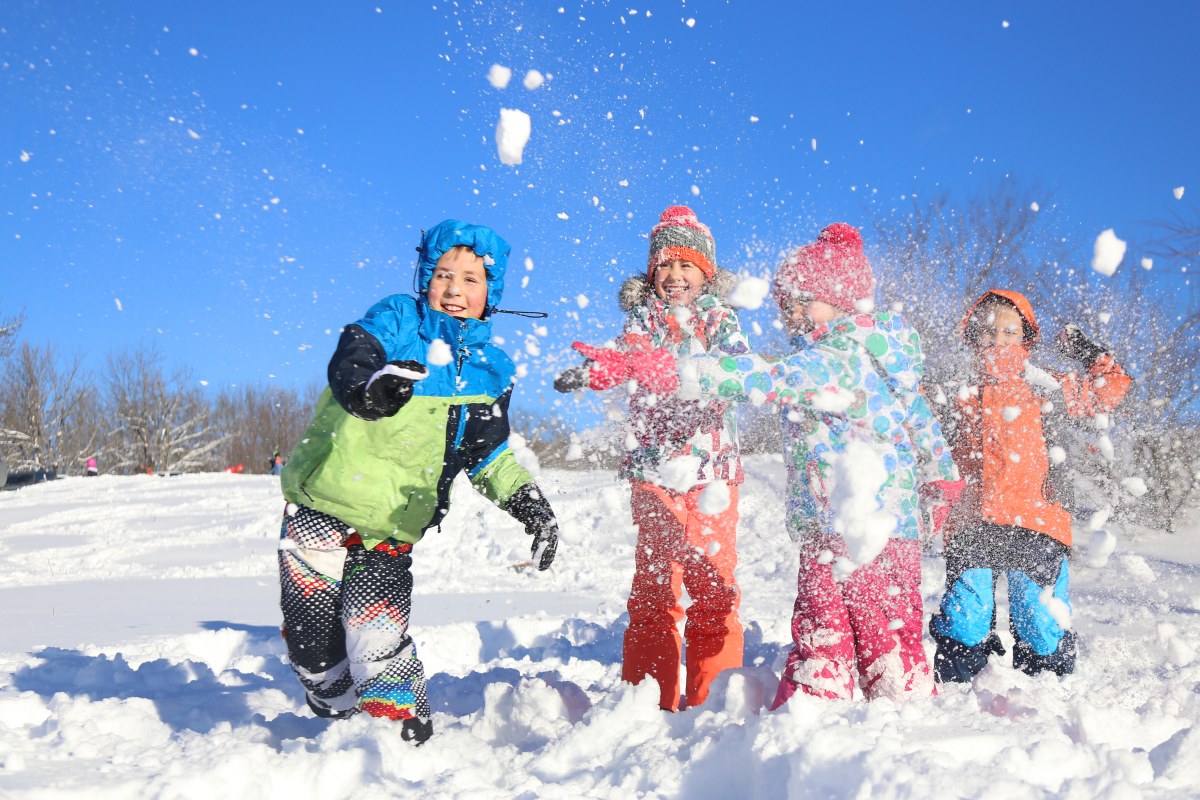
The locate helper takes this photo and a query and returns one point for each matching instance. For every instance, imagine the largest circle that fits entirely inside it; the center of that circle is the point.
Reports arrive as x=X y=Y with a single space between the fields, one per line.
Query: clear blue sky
x=236 y=180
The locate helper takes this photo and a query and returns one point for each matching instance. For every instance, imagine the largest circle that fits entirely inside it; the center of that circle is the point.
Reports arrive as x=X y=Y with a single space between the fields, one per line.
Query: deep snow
x=140 y=657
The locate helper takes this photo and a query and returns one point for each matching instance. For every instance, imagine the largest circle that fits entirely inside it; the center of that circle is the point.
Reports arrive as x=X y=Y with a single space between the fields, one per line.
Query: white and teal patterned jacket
x=855 y=379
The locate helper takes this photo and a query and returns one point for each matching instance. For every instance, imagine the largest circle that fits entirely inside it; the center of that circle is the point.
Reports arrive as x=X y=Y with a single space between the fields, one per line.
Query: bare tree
x=260 y=421
x=49 y=410
x=9 y=326
x=161 y=423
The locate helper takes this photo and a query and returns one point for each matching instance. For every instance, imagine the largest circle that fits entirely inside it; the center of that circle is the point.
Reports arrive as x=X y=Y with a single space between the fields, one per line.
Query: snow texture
x=141 y=658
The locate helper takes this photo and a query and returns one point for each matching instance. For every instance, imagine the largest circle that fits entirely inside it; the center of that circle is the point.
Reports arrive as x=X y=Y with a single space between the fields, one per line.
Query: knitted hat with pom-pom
x=832 y=269
x=679 y=234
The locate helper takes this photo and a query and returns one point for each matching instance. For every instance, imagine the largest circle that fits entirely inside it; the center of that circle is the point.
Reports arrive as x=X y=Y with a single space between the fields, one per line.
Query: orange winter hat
x=680 y=234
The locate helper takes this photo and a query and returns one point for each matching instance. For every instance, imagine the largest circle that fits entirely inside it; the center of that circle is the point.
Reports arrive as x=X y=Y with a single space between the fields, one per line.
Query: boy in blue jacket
x=417 y=394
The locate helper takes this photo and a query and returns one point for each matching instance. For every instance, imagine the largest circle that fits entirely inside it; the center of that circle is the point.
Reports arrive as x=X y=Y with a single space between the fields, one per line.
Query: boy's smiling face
x=678 y=282
x=458 y=285
x=998 y=325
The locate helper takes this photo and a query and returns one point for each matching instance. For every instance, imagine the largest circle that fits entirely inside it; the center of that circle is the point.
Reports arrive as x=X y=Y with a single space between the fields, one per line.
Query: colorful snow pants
x=866 y=629
x=677 y=547
x=347 y=630
x=1038 y=599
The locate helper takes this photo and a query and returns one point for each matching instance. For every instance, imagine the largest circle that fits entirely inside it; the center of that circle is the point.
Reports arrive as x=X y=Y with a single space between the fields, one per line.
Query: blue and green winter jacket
x=391 y=477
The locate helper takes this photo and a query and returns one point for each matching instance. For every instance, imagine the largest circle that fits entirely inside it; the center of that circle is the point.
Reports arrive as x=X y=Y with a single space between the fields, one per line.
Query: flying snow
x=679 y=474
x=499 y=76
x=534 y=80
x=749 y=292
x=858 y=474
x=512 y=134
x=714 y=499
x=439 y=354
x=1178 y=192
x=581 y=300
x=1107 y=252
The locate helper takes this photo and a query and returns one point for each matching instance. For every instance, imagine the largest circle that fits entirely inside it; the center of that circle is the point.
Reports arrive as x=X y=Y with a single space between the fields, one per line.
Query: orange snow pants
x=678 y=546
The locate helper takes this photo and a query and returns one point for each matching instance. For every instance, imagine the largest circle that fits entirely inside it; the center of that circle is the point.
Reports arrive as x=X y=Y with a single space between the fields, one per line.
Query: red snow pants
x=677 y=547
x=865 y=629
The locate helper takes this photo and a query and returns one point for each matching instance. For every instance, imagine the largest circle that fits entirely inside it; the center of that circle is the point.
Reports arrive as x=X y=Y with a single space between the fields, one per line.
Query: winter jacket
x=666 y=427
x=854 y=379
x=391 y=477
x=996 y=430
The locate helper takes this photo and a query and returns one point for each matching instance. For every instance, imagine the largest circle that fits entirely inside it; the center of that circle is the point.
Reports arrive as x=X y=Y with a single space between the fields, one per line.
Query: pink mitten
x=608 y=367
x=653 y=369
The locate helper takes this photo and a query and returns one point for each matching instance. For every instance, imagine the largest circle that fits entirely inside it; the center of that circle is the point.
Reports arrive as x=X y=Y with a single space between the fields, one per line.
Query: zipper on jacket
x=462 y=348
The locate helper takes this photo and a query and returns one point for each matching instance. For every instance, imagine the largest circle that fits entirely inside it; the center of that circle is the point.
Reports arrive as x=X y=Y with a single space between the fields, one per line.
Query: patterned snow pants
x=677 y=547
x=347 y=629
x=865 y=630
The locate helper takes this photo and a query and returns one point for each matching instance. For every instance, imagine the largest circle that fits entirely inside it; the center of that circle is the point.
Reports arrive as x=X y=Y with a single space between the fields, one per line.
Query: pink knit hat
x=679 y=234
x=832 y=269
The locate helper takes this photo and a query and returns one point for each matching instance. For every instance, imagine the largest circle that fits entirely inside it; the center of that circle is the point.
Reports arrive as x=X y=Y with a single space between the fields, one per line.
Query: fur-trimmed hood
x=636 y=289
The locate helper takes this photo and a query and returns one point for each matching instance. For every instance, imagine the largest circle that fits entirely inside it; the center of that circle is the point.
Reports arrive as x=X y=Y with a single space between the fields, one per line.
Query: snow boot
x=416 y=730
x=325 y=712
x=1061 y=662
x=955 y=662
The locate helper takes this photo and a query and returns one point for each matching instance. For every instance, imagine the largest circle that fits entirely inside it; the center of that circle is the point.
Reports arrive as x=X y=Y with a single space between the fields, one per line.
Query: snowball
x=1057 y=455
x=1099 y=519
x=749 y=292
x=690 y=22
x=512 y=134
x=1108 y=251
x=1100 y=547
x=1135 y=486
x=499 y=76
x=581 y=300
x=1147 y=263
x=1178 y=192
x=25 y=156
x=1010 y=413
x=858 y=474
x=439 y=354
x=714 y=499
x=695 y=190
x=534 y=80
x=1060 y=611
x=679 y=474
x=1034 y=207
x=833 y=400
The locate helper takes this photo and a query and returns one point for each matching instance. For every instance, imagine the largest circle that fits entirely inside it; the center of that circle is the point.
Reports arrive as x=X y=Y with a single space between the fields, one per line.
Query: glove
x=573 y=379
x=391 y=387
x=653 y=369
x=530 y=507
x=1073 y=343
x=608 y=367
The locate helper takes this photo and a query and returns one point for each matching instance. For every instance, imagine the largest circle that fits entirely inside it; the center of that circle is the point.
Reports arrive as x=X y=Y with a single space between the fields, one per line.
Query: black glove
x=1073 y=343
x=530 y=507
x=573 y=379
x=390 y=388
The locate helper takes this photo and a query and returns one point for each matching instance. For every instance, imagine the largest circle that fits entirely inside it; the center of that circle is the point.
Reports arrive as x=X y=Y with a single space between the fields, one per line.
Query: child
x=1008 y=520
x=677 y=450
x=859 y=439
x=416 y=395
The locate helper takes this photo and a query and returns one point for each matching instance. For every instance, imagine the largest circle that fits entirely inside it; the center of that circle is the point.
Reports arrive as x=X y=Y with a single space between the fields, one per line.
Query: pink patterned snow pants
x=864 y=630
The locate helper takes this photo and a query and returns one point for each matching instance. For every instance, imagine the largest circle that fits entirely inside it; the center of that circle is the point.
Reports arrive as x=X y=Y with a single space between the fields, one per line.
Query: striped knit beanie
x=679 y=234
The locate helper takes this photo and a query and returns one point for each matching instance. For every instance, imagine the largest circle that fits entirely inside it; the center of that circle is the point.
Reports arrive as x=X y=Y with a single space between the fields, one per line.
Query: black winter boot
x=416 y=730
x=1060 y=662
x=955 y=662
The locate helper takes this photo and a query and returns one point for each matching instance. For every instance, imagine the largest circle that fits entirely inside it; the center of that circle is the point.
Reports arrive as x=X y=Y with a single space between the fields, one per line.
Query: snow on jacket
x=664 y=428
x=855 y=379
x=391 y=477
x=997 y=435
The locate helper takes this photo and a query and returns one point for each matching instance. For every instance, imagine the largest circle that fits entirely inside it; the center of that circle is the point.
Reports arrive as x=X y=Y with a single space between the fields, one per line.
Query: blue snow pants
x=963 y=628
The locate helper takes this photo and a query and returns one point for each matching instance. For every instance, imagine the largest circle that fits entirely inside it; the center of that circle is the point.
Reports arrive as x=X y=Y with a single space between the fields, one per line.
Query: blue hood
x=484 y=241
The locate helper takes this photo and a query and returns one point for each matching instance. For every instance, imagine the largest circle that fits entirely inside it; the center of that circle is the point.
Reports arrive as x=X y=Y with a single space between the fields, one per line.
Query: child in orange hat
x=682 y=461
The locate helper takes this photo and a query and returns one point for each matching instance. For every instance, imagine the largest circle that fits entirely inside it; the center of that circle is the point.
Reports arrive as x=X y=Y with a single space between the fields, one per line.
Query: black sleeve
x=358 y=356
x=485 y=429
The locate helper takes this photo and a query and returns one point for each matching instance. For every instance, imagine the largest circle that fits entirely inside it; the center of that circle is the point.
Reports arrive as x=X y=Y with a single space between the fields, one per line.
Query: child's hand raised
x=391 y=387
x=652 y=368
x=1073 y=343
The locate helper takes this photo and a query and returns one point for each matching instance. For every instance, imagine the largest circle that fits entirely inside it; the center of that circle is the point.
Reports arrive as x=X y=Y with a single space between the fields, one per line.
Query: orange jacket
x=999 y=445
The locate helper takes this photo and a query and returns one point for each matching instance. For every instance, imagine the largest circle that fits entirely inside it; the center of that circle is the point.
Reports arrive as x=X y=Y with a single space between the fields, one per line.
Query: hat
x=832 y=269
x=484 y=241
x=679 y=234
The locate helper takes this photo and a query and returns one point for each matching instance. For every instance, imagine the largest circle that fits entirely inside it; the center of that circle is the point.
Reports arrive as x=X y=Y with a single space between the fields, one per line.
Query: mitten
x=1073 y=343
x=530 y=507
x=573 y=379
x=608 y=368
x=391 y=387
x=653 y=369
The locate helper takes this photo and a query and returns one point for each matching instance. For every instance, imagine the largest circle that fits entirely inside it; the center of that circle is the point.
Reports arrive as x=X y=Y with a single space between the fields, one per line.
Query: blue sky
x=234 y=181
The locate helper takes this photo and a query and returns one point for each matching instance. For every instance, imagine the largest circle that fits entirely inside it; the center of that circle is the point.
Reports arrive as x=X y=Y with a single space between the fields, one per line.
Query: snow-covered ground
x=140 y=657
